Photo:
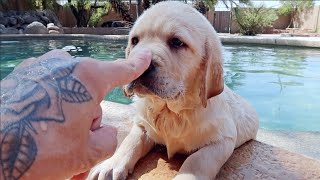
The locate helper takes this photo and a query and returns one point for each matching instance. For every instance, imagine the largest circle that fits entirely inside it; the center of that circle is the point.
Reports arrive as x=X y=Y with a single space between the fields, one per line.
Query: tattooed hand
x=50 y=114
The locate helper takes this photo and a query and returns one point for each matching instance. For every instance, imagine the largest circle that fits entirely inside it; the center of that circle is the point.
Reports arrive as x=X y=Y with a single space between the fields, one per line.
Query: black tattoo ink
x=25 y=95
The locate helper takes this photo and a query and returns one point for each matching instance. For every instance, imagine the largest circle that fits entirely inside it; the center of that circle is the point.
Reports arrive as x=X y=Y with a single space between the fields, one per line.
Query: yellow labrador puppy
x=183 y=102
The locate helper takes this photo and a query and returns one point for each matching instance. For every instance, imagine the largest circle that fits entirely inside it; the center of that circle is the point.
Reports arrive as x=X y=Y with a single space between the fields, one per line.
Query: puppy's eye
x=176 y=43
x=135 y=41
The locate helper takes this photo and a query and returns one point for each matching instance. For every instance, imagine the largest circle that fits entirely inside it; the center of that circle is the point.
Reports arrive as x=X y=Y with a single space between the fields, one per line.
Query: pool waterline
x=281 y=82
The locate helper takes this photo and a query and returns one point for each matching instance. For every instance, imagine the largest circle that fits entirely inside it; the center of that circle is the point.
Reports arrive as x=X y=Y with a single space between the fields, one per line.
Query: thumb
x=121 y=72
x=105 y=75
x=102 y=144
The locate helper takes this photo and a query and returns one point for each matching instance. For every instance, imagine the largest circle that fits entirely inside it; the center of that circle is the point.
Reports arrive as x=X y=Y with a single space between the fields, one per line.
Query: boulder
x=29 y=18
x=36 y=28
x=24 y=27
x=54 y=32
x=52 y=16
x=45 y=19
x=30 y=22
x=11 y=13
x=12 y=21
x=20 y=21
x=2 y=26
x=10 y=30
x=50 y=25
x=4 y=21
x=56 y=28
x=40 y=13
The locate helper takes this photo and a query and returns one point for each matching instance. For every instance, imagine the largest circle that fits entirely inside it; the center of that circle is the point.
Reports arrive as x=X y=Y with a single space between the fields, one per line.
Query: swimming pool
x=282 y=83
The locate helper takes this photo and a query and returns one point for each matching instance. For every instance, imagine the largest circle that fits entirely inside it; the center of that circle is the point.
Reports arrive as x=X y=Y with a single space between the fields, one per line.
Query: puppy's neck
x=185 y=104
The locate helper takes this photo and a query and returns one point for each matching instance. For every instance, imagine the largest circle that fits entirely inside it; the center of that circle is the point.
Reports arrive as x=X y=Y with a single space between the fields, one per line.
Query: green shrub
x=252 y=20
x=293 y=7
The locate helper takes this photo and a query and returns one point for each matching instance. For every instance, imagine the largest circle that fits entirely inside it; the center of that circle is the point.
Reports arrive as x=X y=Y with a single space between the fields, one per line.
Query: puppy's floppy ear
x=211 y=72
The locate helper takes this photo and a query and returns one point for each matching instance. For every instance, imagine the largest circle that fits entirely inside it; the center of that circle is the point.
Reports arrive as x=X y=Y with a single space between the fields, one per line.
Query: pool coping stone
x=262 y=39
x=252 y=160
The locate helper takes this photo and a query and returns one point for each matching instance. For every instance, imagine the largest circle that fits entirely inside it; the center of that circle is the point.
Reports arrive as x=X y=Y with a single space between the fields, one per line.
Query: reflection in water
x=282 y=83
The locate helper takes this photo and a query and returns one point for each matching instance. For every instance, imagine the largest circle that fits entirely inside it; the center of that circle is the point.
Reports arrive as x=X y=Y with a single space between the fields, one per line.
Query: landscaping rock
x=2 y=26
x=10 y=30
x=28 y=18
x=45 y=20
x=36 y=28
x=12 y=21
x=40 y=14
x=20 y=21
x=54 y=32
x=11 y=13
x=31 y=22
x=4 y=21
x=50 y=25
x=52 y=17
x=56 y=28
x=24 y=27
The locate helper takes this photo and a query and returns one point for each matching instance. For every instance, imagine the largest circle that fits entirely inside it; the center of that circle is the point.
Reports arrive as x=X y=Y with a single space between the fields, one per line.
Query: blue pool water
x=282 y=83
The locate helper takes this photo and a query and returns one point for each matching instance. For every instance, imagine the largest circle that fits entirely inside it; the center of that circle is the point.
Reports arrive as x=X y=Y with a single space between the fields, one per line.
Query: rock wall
x=29 y=22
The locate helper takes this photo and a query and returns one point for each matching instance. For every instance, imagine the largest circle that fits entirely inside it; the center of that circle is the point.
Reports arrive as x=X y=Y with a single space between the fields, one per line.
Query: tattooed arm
x=50 y=114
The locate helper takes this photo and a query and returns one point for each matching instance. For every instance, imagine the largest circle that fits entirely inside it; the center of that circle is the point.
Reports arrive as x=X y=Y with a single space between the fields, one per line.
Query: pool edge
x=279 y=40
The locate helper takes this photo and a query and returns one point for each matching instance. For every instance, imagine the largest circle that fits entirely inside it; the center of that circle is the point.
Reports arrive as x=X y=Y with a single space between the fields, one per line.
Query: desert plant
x=292 y=8
x=201 y=6
x=252 y=20
x=121 y=8
x=97 y=15
x=204 y=5
x=87 y=13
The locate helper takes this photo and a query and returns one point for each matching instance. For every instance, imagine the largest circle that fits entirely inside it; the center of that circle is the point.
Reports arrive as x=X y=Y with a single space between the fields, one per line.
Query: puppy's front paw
x=108 y=170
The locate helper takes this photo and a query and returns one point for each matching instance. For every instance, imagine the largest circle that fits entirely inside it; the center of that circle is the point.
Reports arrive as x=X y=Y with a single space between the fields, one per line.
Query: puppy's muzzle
x=146 y=79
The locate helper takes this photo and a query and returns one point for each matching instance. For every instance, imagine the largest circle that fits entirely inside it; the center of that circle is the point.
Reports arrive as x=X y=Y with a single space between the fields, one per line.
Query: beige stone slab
x=254 y=160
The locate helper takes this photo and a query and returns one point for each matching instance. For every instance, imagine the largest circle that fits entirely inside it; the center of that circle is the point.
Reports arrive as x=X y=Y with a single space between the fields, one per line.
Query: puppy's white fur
x=201 y=117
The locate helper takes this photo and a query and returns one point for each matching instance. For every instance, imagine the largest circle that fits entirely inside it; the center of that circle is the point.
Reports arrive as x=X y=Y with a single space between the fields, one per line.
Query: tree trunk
x=91 y=11
x=44 y=4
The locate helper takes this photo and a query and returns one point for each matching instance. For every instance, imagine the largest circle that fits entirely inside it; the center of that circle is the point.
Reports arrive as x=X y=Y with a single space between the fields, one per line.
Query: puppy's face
x=180 y=39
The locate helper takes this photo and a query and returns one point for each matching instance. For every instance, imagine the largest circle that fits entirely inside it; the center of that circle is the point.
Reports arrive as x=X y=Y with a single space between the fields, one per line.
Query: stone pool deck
x=271 y=39
x=263 y=39
x=253 y=160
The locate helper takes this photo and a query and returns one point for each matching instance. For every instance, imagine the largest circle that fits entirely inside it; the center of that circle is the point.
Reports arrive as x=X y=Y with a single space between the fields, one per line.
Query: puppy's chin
x=135 y=88
x=148 y=90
